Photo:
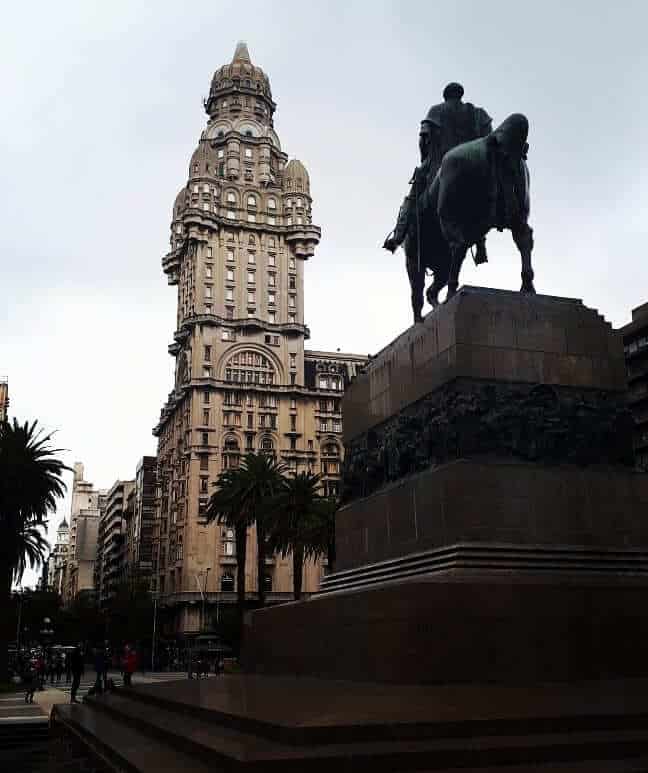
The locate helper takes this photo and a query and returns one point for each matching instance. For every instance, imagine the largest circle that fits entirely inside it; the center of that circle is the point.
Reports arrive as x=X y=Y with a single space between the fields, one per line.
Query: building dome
x=295 y=178
x=180 y=202
x=240 y=75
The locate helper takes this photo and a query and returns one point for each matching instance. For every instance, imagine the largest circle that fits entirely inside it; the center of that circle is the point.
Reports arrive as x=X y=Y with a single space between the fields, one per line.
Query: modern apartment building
x=635 y=344
x=241 y=235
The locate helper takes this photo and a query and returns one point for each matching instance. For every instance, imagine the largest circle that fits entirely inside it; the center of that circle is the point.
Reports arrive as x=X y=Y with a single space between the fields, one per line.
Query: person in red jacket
x=130 y=664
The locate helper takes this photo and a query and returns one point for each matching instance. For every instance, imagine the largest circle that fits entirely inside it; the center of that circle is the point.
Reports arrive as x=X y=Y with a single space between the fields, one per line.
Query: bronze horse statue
x=480 y=185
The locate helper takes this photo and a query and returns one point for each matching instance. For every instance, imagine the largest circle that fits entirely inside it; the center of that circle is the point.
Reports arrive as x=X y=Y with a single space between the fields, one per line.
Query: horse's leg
x=458 y=253
x=523 y=238
x=440 y=281
x=417 y=281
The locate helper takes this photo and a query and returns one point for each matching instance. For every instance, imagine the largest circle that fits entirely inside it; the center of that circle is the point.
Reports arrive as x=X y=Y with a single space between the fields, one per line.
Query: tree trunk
x=261 y=567
x=5 y=634
x=240 y=534
x=298 y=571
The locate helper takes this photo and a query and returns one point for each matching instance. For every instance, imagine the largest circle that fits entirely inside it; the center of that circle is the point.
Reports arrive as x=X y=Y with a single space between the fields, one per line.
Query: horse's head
x=511 y=135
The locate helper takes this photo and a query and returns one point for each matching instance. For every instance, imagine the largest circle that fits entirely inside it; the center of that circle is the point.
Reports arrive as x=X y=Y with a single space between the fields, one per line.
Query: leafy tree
x=297 y=511
x=30 y=484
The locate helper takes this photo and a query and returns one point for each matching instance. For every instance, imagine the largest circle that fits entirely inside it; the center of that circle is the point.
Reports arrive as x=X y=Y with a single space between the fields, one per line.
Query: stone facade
x=84 y=522
x=241 y=234
x=58 y=559
x=4 y=399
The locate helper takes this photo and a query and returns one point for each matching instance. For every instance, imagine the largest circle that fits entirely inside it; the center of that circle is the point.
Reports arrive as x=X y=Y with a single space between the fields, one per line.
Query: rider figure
x=445 y=126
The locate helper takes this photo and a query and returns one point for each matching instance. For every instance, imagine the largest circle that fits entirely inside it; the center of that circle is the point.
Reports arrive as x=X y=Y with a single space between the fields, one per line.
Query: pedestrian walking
x=129 y=665
x=30 y=677
x=77 y=668
x=101 y=670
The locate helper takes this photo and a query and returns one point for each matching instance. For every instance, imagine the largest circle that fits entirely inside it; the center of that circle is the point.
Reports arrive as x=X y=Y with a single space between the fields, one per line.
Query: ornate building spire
x=241 y=54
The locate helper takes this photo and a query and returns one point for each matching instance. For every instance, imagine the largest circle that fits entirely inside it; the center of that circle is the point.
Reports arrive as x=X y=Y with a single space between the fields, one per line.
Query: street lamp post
x=155 y=600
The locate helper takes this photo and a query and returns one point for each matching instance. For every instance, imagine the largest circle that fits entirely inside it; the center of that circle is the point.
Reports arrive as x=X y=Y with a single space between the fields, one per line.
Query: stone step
x=84 y=739
x=447 y=747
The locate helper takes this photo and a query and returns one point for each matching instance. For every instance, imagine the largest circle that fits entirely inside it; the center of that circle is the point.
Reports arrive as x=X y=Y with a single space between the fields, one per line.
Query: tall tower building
x=241 y=234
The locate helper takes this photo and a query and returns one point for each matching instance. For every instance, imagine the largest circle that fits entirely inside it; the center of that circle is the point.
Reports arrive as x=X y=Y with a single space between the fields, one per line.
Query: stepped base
x=263 y=723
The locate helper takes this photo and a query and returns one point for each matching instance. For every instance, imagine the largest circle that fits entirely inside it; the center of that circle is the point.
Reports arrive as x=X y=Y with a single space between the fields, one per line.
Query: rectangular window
x=206 y=396
x=293 y=376
x=204 y=461
x=293 y=423
x=292 y=282
x=208 y=291
x=293 y=360
x=323 y=382
x=337 y=426
x=272 y=297
x=229 y=312
x=293 y=443
x=251 y=257
x=291 y=263
x=272 y=220
x=205 y=188
x=251 y=277
x=230 y=274
x=248 y=152
x=195 y=189
x=292 y=318
x=230 y=255
x=272 y=317
x=226 y=335
x=291 y=301
x=209 y=273
x=207 y=371
x=251 y=218
x=272 y=260
x=323 y=425
x=289 y=221
x=220 y=153
x=208 y=308
x=205 y=438
x=207 y=355
x=210 y=252
x=229 y=294
x=310 y=445
x=204 y=483
x=293 y=404
x=272 y=280
x=231 y=215
x=250 y=420
x=251 y=298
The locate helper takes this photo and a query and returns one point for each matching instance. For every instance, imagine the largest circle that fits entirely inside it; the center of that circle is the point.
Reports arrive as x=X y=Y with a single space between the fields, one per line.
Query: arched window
x=251 y=241
x=248 y=367
x=272 y=204
x=231 y=197
x=195 y=167
x=231 y=452
x=299 y=203
x=227 y=583
x=251 y=201
x=267 y=446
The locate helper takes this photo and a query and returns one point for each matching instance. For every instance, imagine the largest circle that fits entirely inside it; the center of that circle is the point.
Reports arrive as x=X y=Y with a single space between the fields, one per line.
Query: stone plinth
x=493 y=526
x=488 y=335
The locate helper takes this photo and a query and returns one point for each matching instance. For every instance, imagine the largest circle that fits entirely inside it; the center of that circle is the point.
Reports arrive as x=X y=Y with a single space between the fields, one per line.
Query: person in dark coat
x=77 y=668
x=101 y=669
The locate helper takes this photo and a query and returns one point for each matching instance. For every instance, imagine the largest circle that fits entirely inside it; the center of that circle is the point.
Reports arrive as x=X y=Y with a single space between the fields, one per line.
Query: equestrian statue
x=470 y=179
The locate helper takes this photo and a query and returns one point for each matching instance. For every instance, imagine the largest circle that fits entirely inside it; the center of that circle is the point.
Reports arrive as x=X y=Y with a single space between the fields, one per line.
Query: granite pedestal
x=488 y=608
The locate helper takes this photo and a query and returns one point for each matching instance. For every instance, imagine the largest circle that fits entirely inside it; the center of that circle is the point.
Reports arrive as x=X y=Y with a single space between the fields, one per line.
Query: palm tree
x=261 y=479
x=32 y=547
x=30 y=484
x=227 y=506
x=322 y=536
x=297 y=512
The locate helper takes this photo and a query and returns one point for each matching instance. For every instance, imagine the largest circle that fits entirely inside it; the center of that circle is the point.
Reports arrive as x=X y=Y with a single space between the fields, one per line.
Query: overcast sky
x=101 y=110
